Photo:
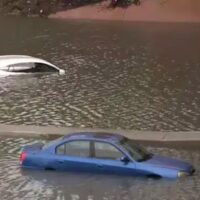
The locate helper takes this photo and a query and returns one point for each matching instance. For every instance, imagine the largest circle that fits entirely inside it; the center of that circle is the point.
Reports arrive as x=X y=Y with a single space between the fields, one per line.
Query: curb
x=52 y=131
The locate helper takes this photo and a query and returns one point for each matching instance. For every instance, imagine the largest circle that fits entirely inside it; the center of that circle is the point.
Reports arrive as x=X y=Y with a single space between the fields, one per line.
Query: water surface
x=118 y=75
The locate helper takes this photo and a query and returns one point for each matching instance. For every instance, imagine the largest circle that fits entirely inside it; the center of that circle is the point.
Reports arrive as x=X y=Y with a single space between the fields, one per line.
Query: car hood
x=166 y=162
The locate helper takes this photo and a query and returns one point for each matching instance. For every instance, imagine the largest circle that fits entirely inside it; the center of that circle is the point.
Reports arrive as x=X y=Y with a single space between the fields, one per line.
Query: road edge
x=53 y=131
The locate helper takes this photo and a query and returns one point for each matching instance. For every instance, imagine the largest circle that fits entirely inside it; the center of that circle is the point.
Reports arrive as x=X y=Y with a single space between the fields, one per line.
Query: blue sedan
x=101 y=153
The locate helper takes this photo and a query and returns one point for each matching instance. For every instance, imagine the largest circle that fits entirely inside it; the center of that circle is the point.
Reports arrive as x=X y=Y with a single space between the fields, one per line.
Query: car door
x=42 y=67
x=74 y=156
x=108 y=159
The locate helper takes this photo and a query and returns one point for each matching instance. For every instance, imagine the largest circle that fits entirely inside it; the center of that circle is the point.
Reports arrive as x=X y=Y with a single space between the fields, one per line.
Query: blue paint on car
x=101 y=153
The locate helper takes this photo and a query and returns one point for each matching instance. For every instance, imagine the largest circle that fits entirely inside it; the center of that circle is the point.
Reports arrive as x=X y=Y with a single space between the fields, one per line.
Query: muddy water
x=26 y=184
x=119 y=75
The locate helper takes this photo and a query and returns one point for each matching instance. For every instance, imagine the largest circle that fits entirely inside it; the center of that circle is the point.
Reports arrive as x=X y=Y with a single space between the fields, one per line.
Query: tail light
x=23 y=157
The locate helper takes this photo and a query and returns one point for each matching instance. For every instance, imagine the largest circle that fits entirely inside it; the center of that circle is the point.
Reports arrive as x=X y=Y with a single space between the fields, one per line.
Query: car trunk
x=28 y=151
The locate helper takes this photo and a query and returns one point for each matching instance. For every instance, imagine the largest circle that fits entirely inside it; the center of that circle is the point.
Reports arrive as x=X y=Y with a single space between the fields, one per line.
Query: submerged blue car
x=101 y=153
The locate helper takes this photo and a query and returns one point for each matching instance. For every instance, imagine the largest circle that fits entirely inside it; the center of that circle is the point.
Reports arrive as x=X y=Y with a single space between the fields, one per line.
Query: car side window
x=42 y=67
x=21 y=67
x=74 y=148
x=107 y=151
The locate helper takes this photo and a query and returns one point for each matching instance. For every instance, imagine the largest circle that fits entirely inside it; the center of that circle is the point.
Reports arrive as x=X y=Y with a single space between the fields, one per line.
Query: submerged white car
x=20 y=64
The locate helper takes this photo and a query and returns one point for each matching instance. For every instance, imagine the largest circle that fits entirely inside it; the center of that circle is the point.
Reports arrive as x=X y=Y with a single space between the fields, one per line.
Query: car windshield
x=137 y=153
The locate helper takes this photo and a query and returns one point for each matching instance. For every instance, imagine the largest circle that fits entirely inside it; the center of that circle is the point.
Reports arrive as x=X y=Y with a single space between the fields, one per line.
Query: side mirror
x=125 y=159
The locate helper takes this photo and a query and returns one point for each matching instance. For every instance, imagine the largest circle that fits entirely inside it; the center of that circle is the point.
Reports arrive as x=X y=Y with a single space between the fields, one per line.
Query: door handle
x=60 y=161
x=100 y=165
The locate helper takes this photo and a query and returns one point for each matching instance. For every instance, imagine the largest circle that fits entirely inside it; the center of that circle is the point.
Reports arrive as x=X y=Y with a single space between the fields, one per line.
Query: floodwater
x=118 y=75
x=18 y=184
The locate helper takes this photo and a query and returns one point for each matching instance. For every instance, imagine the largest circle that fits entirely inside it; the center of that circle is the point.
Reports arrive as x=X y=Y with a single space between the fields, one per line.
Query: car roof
x=104 y=136
x=6 y=60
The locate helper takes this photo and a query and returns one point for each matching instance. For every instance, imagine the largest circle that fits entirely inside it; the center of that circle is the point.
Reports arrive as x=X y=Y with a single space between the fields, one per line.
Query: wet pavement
x=118 y=75
x=28 y=184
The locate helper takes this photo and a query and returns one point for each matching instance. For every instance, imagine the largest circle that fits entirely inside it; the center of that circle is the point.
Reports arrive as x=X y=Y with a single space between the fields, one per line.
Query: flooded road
x=34 y=185
x=119 y=75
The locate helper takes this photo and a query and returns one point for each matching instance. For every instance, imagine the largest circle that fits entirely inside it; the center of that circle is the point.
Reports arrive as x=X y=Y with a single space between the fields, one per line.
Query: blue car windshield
x=137 y=153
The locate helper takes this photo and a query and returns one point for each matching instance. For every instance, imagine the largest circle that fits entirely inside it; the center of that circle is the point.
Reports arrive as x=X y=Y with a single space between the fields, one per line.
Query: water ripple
x=118 y=76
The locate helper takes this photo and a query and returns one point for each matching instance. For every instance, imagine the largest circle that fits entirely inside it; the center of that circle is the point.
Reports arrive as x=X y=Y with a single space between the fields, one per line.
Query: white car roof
x=16 y=59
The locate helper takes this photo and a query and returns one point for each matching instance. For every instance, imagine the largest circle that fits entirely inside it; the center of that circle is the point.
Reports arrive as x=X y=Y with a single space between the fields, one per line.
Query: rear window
x=74 y=148
x=47 y=145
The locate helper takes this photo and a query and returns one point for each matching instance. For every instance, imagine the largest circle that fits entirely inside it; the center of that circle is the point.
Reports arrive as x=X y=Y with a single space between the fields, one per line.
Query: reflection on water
x=28 y=184
x=118 y=75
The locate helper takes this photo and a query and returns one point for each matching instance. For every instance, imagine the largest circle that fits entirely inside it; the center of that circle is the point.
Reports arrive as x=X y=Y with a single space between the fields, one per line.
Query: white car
x=20 y=64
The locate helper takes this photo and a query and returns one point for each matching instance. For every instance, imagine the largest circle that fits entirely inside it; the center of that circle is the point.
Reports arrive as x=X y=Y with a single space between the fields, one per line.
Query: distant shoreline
x=148 y=11
x=152 y=11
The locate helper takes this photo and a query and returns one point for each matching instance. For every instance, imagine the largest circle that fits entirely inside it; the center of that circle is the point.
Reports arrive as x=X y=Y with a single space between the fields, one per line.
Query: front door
x=108 y=159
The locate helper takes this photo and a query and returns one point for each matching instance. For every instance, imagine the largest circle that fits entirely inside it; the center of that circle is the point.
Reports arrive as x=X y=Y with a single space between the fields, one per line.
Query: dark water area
x=118 y=75
x=34 y=185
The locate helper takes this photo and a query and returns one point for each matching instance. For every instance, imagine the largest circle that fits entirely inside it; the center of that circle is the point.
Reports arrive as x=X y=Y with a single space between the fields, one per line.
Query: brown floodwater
x=118 y=75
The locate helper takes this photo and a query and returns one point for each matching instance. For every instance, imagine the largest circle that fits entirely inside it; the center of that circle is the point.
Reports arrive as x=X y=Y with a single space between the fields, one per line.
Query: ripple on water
x=117 y=76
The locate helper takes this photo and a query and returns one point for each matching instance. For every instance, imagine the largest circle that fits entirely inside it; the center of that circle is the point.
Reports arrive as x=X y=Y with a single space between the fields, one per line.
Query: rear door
x=74 y=156
x=108 y=159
